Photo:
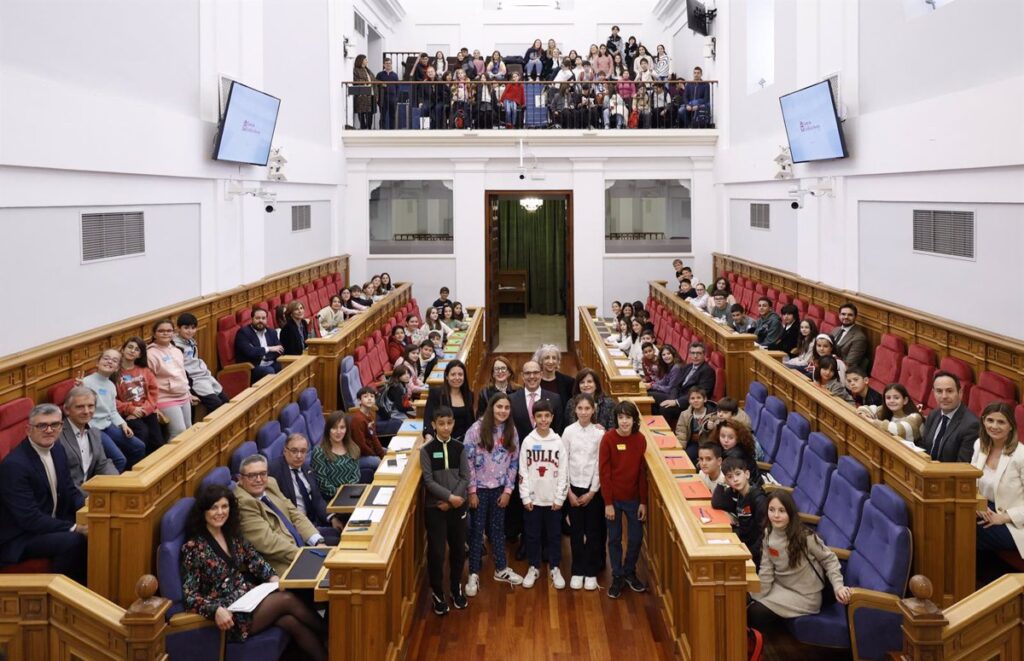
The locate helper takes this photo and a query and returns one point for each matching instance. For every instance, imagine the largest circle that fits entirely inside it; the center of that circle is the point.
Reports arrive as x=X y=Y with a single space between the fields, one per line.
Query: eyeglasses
x=262 y=475
x=296 y=450
x=531 y=373
x=501 y=368
x=47 y=426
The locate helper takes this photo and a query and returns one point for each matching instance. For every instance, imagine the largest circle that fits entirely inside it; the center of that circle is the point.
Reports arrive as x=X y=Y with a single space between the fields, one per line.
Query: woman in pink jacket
x=167 y=363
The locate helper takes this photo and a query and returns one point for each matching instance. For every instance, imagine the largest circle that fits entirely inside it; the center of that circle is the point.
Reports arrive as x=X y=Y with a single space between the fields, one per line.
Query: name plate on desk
x=346 y=499
x=304 y=572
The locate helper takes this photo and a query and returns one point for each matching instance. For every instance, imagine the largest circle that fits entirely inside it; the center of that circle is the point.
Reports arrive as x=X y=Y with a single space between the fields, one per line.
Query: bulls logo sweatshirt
x=543 y=470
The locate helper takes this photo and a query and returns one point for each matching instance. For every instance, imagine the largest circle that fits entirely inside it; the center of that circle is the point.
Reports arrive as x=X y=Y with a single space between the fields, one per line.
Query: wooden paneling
x=735 y=347
x=942 y=498
x=591 y=352
x=30 y=373
x=980 y=349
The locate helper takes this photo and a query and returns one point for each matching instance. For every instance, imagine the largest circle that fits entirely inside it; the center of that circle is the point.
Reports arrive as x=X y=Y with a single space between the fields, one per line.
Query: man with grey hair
x=299 y=484
x=271 y=522
x=38 y=500
x=83 y=444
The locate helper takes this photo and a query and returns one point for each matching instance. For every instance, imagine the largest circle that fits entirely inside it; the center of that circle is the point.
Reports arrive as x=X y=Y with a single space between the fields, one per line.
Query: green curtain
x=535 y=242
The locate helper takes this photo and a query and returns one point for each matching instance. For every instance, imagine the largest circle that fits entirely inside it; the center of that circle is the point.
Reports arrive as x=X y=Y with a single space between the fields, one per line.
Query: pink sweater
x=168 y=366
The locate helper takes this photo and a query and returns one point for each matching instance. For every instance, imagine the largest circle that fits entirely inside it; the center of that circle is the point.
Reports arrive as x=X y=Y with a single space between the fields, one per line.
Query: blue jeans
x=112 y=452
x=511 y=112
x=132 y=449
x=634 y=529
x=534 y=67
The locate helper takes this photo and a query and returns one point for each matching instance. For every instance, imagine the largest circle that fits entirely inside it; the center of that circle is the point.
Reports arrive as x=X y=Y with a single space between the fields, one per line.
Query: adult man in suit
x=83 y=446
x=38 y=500
x=850 y=340
x=298 y=483
x=271 y=523
x=951 y=429
x=259 y=345
x=699 y=373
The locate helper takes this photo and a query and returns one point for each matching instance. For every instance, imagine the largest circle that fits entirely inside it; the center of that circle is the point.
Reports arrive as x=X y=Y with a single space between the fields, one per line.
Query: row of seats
x=370 y=364
x=747 y=292
x=669 y=330
x=866 y=525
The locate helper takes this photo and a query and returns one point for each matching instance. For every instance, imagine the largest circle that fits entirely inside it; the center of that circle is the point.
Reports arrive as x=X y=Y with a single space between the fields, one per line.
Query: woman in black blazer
x=455 y=394
x=549 y=357
x=296 y=330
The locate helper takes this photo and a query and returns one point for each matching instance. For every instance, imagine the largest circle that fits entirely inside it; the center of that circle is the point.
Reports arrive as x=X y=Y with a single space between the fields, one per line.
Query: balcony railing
x=495 y=104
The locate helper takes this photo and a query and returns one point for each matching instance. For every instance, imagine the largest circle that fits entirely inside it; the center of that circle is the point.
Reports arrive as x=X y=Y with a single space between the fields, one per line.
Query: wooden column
x=923 y=623
x=146 y=622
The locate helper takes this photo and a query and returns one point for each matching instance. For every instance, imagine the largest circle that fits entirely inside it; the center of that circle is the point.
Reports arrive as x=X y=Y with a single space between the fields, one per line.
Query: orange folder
x=717 y=516
x=656 y=422
x=666 y=440
x=695 y=489
x=679 y=463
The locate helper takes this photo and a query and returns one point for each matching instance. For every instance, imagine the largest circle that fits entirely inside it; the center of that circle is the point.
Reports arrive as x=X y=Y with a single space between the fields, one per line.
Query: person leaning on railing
x=387 y=95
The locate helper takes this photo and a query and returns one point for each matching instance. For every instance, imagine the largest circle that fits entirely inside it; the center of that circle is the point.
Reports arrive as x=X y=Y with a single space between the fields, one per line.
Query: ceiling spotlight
x=531 y=204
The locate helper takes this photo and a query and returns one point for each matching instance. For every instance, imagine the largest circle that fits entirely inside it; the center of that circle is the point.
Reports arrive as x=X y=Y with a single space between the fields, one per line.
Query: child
x=737 y=441
x=729 y=409
x=694 y=422
x=492 y=451
x=201 y=381
x=437 y=341
x=745 y=502
x=445 y=480
x=616 y=309
x=543 y=485
x=623 y=474
x=898 y=416
x=399 y=391
x=859 y=386
x=582 y=441
x=364 y=426
x=512 y=99
x=709 y=459
x=827 y=377
x=442 y=299
x=650 y=365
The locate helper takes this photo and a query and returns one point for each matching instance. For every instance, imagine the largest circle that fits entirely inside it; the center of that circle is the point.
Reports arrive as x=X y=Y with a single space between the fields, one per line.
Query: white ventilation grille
x=301 y=217
x=359 y=23
x=759 y=215
x=109 y=235
x=944 y=232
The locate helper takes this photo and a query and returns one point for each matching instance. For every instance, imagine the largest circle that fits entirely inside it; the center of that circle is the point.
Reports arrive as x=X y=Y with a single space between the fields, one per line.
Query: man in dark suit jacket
x=850 y=340
x=298 y=483
x=38 y=500
x=698 y=373
x=81 y=442
x=951 y=429
x=259 y=345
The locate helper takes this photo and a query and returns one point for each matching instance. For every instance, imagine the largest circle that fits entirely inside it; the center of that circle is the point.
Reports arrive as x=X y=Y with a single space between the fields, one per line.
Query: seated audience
x=800 y=357
x=295 y=332
x=218 y=566
x=106 y=418
x=729 y=409
x=719 y=306
x=396 y=345
x=650 y=364
x=739 y=321
x=425 y=361
x=790 y=329
x=999 y=456
x=173 y=398
x=502 y=380
x=623 y=340
x=791 y=583
x=433 y=322
x=280 y=316
x=82 y=443
x=298 y=483
x=386 y=286
x=746 y=504
x=858 y=385
x=336 y=459
x=38 y=500
x=737 y=441
x=951 y=429
x=827 y=376
x=824 y=348
x=616 y=309
x=361 y=299
x=695 y=421
x=414 y=330
x=349 y=306
x=686 y=290
x=136 y=399
x=399 y=390
x=671 y=369
x=456 y=395
x=709 y=464
x=697 y=373
x=549 y=357
x=722 y=285
x=331 y=317
x=201 y=380
x=588 y=382
x=769 y=325
x=259 y=345
x=271 y=523
x=700 y=301
x=898 y=415
x=851 y=341
x=448 y=318
x=363 y=427
x=442 y=298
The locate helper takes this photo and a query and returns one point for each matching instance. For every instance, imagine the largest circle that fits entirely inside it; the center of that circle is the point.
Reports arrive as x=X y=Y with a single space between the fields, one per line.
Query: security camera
x=522 y=175
x=796 y=204
x=269 y=208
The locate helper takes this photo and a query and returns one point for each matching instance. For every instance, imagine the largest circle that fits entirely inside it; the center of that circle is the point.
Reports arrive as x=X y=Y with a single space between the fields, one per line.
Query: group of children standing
x=598 y=475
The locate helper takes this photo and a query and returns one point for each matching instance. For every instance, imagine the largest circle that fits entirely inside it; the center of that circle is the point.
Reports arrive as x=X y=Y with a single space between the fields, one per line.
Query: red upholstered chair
x=831 y=318
x=801 y=306
x=815 y=312
x=234 y=377
x=227 y=328
x=1019 y=414
x=916 y=372
x=244 y=316
x=363 y=365
x=13 y=418
x=992 y=387
x=760 y=289
x=286 y=298
x=56 y=393
x=309 y=287
x=963 y=372
x=888 y=355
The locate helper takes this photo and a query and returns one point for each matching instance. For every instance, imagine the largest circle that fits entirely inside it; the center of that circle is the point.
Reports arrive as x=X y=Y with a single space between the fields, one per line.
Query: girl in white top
x=331 y=317
x=1000 y=457
x=582 y=440
x=701 y=300
x=636 y=350
x=899 y=416
x=433 y=322
x=662 y=64
x=623 y=341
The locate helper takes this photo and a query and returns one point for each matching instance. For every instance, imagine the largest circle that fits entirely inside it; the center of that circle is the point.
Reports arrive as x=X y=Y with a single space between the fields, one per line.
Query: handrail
x=30 y=373
x=674 y=81
x=590 y=352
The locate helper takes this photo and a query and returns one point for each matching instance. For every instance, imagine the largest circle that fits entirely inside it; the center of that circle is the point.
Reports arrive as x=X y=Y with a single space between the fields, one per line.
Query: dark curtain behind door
x=535 y=242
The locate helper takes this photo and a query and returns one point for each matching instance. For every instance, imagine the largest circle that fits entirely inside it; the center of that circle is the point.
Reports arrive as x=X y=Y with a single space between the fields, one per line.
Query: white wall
x=776 y=245
x=428 y=273
x=283 y=245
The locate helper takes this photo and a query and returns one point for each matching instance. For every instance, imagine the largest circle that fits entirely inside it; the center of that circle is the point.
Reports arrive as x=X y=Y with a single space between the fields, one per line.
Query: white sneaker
x=531 y=577
x=508 y=575
x=576 y=582
x=590 y=583
x=556 y=578
x=472 y=585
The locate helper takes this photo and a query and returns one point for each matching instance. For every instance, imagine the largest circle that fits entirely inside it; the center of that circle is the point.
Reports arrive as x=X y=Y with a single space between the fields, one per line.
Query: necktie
x=936 y=442
x=532 y=398
x=284 y=520
x=305 y=493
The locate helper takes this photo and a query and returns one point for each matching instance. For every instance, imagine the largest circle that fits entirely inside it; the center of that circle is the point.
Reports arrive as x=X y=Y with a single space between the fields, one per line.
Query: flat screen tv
x=812 y=124
x=697 y=17
x=247 y=128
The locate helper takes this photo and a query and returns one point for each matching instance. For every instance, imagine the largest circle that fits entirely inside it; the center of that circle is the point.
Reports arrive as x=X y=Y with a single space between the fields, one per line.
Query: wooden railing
x=30 y=373
x=735 y=347
x=942 y=498
x=49 y=616
x=701 y=586
x=980 y=349
x=329 y=351
x=988 y=624
x=591 y=352
x=124 y=511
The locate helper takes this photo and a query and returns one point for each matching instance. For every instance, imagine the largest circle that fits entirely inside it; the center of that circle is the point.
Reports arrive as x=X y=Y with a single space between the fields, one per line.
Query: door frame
x=492 y=269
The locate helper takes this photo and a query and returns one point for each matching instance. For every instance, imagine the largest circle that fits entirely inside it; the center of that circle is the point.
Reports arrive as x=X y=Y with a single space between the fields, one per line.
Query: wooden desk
x=591 y=351
x=513 y=289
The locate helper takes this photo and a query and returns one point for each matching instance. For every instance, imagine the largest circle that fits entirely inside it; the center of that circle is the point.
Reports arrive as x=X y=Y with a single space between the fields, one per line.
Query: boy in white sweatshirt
x=543 y=485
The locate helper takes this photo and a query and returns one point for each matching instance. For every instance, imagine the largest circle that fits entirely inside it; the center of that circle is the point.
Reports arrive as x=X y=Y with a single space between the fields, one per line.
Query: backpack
x=460 y=119
x=385 y=407
x=634 y=119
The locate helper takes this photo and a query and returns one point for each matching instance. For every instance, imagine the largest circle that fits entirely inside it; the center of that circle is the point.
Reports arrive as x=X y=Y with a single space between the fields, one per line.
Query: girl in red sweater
x=624 y=490
x=513 y=98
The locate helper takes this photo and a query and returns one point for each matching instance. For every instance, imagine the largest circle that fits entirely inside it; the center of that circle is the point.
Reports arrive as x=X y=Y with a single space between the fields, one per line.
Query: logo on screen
x=809 y=126
x=249 y=127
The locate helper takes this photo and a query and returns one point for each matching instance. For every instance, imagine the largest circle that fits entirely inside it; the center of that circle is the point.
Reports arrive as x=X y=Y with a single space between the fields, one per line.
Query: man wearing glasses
x=298 y=483
x=38 y=500
x=271 y=522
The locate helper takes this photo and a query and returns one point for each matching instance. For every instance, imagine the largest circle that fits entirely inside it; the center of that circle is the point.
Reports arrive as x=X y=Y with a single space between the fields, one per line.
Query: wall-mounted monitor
x=697 y=17
x=247 y=127
x=812 y=124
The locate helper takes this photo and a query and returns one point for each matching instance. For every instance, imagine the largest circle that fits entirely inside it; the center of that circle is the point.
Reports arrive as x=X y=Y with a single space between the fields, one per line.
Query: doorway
x=529 y=247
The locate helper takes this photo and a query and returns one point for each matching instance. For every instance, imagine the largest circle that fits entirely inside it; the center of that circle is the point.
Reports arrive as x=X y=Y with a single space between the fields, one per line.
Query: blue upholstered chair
x=244 y=450
x=816 y=474
x=350 y=382
x=769 y=426
x=313 y=413
x=790 y=452
x=844 y=506
x=268 y=434
x=757 y=393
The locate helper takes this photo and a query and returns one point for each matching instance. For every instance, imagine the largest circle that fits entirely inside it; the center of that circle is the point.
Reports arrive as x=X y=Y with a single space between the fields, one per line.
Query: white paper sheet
x=623 y=372
x=400 y=461
x=402 y=443
x=623 y=363
x=383 y=496
x=248 y=602
x=372 y=514
x=615 y=352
